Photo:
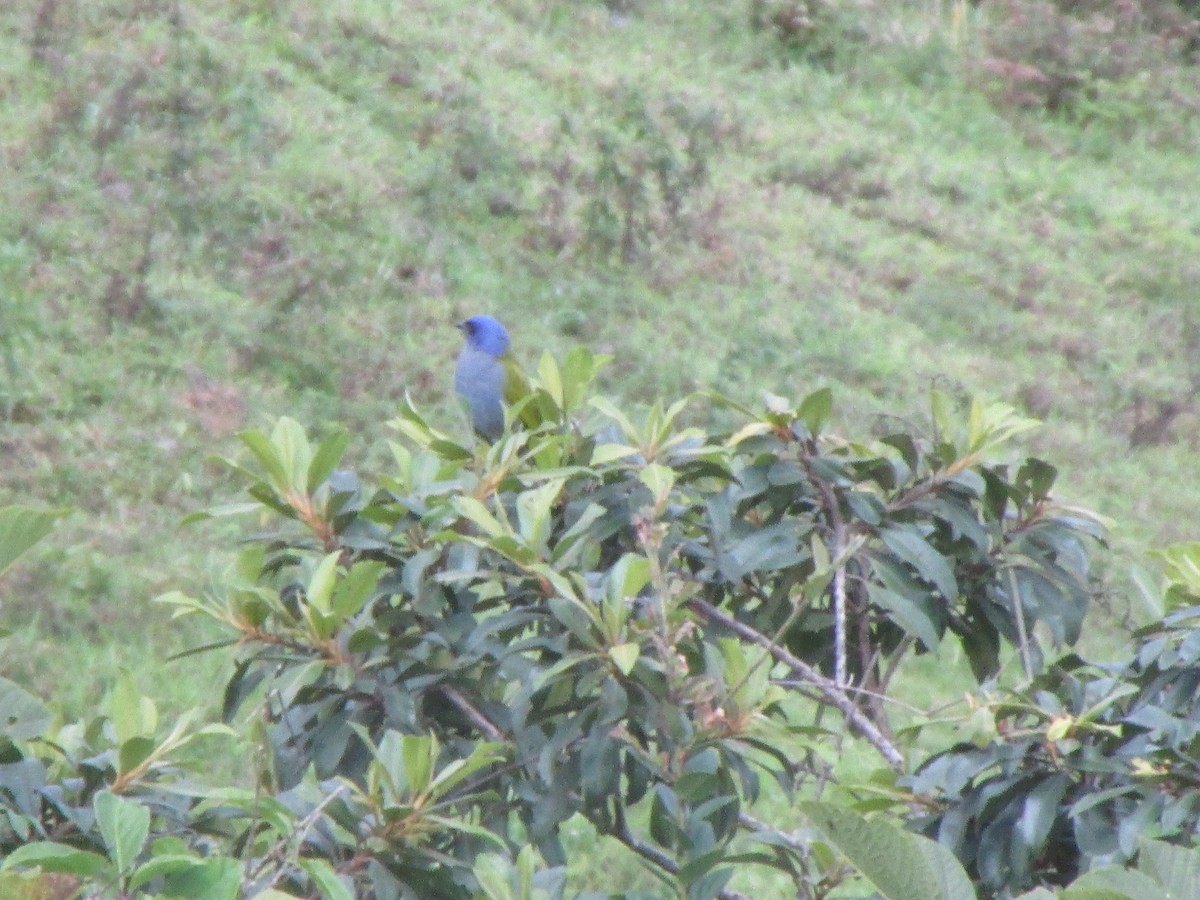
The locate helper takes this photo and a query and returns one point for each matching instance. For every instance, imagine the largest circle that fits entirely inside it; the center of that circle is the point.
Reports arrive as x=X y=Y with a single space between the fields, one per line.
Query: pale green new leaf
x=132 y=715
x=295 y=452
x=326 y=880
x=325 y=460
x=124 y=825
x=534 y=508
x=484 y=754
x=624 y=656
x=268 y=457
x=21 y=527
x=320 y=585
x=551 y=379
x=660 y=479
x=419 y=753
x=476 y=512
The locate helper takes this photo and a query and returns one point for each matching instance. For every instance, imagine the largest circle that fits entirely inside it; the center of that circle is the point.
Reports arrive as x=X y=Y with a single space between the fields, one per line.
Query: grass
x=218 y=213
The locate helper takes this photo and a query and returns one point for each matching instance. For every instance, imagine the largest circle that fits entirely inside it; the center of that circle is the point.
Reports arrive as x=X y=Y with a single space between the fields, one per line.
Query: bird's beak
x=461 y=326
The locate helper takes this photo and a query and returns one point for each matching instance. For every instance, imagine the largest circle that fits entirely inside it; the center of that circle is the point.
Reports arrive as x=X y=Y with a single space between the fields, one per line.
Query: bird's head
x=485 y=334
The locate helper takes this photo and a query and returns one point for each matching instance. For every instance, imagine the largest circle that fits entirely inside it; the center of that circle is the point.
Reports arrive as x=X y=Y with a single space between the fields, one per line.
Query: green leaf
x=892 y=860
x=476 y=512
x=630 y=574
x=1128 y=882
x=21 y=527
x=606 y=453
x=942 y=407
x=578 y=372
x=625 y=656
x=355 y=587
x=163 y=865
x=134 y=752
x=294 y=451
x=1175 y=868
x=1039 y=810
x=954 y=883
x=551 y=379
x=219 y=878
x=609 y=409
x=125 y=825
x=493 y=871
x=326 y=879
x=51 y=857
x=815 y=410
x=909 y=613
x=320 y=585
x=484 y=753
x=326 y=459
x=1090 y=892
x=711 y=884
x=419 y=753
x=534 y=508
x=22 y=715
x=525 y=867
x=131 y=714
x=268 y=457
x=910 y=546
x=659 y=478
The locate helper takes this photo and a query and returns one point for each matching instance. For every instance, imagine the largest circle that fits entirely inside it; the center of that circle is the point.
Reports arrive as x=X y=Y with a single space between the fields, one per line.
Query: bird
x=487 y=376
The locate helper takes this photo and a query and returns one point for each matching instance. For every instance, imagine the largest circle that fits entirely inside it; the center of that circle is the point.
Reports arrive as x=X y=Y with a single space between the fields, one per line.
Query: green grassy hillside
x=215 y=213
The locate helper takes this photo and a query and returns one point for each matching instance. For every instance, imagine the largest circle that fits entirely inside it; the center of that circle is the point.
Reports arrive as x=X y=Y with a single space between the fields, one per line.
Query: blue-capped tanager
x=487 y=376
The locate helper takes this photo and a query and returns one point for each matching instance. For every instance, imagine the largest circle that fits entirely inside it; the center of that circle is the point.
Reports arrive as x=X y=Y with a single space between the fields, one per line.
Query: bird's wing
x=479 y=379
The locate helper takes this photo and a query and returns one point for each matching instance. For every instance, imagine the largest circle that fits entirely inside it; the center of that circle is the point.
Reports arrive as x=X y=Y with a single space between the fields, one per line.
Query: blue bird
x=487 y=376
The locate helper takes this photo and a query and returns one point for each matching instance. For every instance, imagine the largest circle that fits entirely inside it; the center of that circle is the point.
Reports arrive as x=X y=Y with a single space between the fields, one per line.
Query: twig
x=277 y=856
x=832 y=692
x=482 y=722
x=656 y=856
x=894 y=663
x=750 y=823
x=647 y=852
x=1019 y=615
x=837 y=553
x=839 y=615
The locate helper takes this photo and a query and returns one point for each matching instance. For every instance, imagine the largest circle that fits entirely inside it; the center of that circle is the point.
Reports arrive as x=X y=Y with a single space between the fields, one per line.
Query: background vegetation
x=214 y=213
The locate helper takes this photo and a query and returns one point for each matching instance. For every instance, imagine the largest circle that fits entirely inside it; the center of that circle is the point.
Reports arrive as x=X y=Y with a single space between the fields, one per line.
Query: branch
x=834 y=694
x=750 y=823
x=653 y=854
x=1019 y=616
x=278 y=855
x=464 y=706
x=837 y=553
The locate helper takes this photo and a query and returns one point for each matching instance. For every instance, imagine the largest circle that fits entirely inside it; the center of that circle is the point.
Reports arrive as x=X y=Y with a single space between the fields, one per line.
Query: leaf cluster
x=1086 y=763
x=614 y=617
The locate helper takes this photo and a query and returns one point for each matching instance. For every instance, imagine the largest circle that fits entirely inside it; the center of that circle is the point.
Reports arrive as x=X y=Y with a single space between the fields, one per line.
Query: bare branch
x=482 y=722
x=654 y=855
x=837 y=552
x=832 y=693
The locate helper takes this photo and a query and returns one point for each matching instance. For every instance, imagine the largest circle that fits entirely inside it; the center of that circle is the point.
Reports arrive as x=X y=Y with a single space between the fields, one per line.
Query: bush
x=1062 y=56
x=631 y=622
x=1090 y=760
x=636 y=184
